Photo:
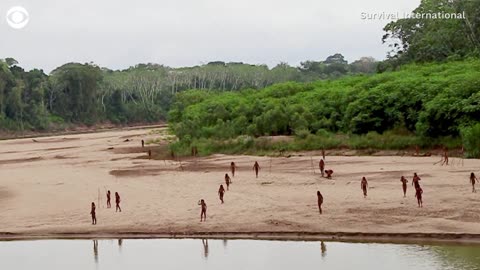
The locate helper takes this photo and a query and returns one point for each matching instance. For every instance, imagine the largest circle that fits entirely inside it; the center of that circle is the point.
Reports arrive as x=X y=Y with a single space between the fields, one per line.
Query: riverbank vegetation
x=85 y=94
x=429 y=105
x=426 y=94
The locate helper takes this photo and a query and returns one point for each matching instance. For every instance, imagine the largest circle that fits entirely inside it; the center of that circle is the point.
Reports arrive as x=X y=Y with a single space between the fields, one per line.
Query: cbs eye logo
x=17 y=17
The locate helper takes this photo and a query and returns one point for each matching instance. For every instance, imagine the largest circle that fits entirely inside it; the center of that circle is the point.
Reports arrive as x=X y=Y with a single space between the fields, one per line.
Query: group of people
x=222 y=191
x=418 y=189
x=325 y=173
x=364 y=187
x=415 y=182
x=328 y=174
x=93 y=210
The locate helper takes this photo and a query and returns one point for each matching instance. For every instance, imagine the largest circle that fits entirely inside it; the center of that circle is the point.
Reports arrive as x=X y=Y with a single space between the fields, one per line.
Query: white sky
x=118 y=34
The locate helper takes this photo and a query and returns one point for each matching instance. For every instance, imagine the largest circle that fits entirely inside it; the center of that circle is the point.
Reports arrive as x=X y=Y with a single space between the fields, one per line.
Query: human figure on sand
x=232 y=168
x=194 y=151
x=203 y=214
x=445 y=156
x=117 y=202
x=109 y=204
x=256 y=168
x=418 y=195
x=364 y=186
x=416 y=181
x=404 y=185
x=228 y=181
x=143 y=143
x=94 y=214
x=321 y=164
x=320 y=201
x=462 y=155
x=473 y=179
x=329 y=173
x=221 y=192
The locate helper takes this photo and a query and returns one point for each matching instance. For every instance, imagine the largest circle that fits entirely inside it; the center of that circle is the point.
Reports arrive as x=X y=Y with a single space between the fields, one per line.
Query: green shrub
x=471 y=140
x=302 y=133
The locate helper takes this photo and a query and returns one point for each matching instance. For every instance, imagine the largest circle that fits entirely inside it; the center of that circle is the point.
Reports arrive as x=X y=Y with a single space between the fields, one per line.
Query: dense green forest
x=426 y=40
x=426 y=93
x=85 y=94
x=427 y=100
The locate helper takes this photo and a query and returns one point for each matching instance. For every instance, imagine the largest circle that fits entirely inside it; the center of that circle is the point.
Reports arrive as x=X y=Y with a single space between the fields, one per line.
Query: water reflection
x=205 y=248
x=242 y=254
x=95 y=251
x=458 y=257
x=323 y=248
x=225 y=242
x=120 y=242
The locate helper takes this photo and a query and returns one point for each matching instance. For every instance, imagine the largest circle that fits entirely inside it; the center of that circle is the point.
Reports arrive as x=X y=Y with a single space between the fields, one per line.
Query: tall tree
x=423 y=38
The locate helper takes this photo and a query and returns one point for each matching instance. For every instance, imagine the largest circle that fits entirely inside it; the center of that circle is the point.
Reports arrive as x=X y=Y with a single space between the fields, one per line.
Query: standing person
x=143 y=143
x=221 y=192
x=416 y=181
x=462 y=154
x=321 y=164
x=203 y=214
x=445 y=156
x=256 y=168
x=94 y=214
x=320 y=201
x=232 y=168
x=364 y=186
x=228 y=180
x=117 y=202
x=194 y=151
x=404 y=185
x=418 y=194
x=109 y=205
x=473 y=179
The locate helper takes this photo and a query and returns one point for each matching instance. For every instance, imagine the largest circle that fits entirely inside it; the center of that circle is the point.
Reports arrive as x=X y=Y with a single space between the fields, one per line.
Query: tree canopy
x=423 y=39
x=77 y=93
x=430 y=100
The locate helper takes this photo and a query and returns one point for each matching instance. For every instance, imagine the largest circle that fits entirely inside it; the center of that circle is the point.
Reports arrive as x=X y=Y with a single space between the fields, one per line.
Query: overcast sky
x=118 y=34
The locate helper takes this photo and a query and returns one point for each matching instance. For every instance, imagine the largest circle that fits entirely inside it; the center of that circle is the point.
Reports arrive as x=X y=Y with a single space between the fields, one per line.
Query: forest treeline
x=423 y=40
x=86 y=94
x=426 y=100
x=426 y=93
x=427 y=88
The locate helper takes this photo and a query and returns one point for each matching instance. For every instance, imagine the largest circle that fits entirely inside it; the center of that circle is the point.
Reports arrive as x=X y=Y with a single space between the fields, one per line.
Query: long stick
x=179 y=160
x=105 y=188
x=270 y=169
x=311 y=164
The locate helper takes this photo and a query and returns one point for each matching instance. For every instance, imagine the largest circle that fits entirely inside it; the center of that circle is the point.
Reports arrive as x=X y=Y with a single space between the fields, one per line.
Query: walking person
x=117 y=202
x=93 y=214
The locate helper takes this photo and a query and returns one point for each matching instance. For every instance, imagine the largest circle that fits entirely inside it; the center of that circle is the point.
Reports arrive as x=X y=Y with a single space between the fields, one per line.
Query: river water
x=231 y=255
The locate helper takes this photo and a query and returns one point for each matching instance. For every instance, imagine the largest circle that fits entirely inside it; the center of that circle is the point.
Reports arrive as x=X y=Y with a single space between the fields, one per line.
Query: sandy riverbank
x=47 y=185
